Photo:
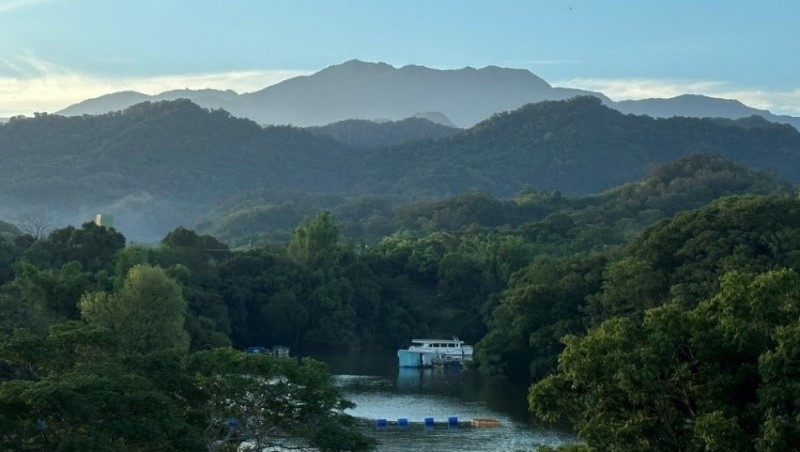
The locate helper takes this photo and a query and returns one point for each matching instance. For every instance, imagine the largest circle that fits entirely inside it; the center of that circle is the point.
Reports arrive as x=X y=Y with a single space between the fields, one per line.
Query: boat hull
x=413 y=358
x=407 y=358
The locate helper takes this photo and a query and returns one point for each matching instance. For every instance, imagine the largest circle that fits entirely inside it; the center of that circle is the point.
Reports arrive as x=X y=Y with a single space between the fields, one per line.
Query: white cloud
x=779 y=102
x=41 y=86
x=640 y=88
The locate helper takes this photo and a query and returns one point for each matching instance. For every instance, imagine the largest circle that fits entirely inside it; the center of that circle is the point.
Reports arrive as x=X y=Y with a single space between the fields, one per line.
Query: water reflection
x=447 y=381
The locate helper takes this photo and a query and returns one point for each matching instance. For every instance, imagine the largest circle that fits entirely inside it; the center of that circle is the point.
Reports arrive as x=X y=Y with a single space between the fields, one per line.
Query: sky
x=54 y=53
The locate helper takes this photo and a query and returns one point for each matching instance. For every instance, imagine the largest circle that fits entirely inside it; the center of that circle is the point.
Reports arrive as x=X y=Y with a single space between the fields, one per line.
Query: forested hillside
x=156 y=166
x=687 y=183
x=576 y=146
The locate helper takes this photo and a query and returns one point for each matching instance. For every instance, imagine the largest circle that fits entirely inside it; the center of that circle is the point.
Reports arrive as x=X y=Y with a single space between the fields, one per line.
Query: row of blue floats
x=402 y=422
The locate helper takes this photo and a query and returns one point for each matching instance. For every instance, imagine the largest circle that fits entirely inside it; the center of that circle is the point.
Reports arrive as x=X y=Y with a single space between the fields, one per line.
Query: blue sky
x=57 y=52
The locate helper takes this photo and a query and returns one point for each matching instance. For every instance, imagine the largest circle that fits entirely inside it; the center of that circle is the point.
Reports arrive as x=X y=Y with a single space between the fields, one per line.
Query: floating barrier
x=430 y=422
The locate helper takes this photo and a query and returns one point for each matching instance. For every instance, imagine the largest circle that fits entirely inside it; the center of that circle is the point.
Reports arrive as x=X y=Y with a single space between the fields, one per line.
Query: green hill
x=158 y=165
x=576 y=146
x=154 y=165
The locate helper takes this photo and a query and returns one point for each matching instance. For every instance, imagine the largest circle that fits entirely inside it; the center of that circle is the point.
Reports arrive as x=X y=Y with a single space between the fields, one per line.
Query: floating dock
x=429 y=422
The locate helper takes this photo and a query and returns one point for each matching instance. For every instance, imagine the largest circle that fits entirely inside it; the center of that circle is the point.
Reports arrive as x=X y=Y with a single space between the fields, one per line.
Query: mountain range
x=379 y=91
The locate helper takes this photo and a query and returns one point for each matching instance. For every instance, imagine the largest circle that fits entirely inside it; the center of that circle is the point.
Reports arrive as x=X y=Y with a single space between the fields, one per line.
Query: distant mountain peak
x=435 y=117
x=355 y=65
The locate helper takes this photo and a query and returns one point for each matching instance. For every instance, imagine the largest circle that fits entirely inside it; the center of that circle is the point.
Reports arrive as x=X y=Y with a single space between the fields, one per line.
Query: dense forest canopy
x=672 y=281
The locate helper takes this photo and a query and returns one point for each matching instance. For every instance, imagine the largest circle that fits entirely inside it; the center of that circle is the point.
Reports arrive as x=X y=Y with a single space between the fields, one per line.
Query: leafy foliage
x=147 y=314
x=685 y=380
x=85 y=386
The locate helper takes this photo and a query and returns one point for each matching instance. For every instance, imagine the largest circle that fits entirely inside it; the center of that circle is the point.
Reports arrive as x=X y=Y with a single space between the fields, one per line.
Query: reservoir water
x=380 y=390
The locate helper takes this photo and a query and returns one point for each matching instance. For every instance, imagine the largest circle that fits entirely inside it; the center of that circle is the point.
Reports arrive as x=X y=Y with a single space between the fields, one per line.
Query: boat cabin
x=435 y=344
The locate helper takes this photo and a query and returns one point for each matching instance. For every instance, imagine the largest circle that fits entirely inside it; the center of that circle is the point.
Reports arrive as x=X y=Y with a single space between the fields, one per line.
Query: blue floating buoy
x=452 y=421
x=428 y=422
x=402 y=422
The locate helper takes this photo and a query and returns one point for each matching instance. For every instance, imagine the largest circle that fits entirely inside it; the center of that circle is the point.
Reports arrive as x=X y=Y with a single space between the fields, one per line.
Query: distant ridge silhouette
x=378 y=91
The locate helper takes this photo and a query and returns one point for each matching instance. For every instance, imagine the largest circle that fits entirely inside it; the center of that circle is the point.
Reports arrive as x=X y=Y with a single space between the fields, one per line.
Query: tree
x=194 y=261
x=313 y=238
x=258 y=402
x=35 y=224
x=54 y=293
x=147 y=313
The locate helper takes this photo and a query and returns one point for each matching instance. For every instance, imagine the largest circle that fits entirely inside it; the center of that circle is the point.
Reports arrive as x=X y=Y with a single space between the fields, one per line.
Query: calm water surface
x=379 y=389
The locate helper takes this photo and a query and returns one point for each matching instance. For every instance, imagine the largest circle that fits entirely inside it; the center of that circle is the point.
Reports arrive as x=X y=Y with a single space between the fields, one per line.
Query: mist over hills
x=158 y=165
x=668 y=188
x=363 y=90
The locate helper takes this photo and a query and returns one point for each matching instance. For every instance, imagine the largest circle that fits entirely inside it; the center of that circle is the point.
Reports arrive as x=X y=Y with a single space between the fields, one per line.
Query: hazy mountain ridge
x=364 y=133
x=436 y=117
x=694 y=105
x=207 y=98
x=362 y=90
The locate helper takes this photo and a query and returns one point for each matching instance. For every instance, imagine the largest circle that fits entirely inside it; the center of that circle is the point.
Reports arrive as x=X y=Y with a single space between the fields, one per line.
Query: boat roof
x=441 y=341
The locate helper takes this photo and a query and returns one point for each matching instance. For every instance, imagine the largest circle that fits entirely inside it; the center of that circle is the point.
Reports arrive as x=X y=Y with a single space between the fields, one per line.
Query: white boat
x=434 y=352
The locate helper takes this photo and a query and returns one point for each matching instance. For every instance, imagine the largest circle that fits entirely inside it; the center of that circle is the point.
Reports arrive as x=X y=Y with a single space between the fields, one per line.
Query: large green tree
x=314 y=238
x=148 y=313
